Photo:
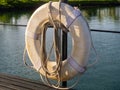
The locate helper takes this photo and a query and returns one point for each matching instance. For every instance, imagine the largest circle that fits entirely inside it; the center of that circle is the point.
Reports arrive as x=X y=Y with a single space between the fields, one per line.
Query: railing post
x=64 y=47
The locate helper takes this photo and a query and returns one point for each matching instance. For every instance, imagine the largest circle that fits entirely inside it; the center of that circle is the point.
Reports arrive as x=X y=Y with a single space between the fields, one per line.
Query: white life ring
x=79 y=30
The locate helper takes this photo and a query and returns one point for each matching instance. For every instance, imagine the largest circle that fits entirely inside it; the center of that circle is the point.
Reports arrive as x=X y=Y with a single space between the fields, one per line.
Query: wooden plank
x=19 y=81
x=15 y=82
x=10 y=86
x=3 y=87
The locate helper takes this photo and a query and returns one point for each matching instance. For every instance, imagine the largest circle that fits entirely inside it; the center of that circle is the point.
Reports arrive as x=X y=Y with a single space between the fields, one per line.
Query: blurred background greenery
x=33 y=4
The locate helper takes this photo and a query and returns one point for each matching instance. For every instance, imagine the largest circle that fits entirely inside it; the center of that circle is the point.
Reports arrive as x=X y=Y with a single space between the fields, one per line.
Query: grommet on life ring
x=79 y=30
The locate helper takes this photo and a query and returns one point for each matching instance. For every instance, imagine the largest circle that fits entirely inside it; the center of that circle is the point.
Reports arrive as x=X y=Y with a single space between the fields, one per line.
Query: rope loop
x=24 y=59
x=55 y=45
x=57 y=72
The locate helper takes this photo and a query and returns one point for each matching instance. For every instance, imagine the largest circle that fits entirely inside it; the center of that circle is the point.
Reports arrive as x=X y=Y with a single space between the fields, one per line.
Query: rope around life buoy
x=59 y=62
x=45 y=57
x=46 y=80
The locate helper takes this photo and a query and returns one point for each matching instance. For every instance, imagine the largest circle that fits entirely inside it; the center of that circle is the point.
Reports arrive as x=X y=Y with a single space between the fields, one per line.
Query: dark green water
x=105 y=75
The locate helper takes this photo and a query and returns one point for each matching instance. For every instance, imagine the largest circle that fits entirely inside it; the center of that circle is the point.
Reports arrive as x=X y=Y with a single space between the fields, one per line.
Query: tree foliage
x=20 y=4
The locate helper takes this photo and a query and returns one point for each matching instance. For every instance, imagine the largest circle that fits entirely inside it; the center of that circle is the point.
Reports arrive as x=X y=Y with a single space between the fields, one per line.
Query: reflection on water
x=14 y=18
x=105 y=75
x=111 y=12
x=98 y=18
x=103 y=18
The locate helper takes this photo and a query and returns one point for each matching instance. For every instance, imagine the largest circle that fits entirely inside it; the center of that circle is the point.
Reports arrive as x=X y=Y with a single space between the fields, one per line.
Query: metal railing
x=95 y=30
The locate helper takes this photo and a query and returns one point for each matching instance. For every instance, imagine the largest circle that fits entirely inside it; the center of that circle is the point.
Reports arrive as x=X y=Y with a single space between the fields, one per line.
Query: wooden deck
x=9 y=82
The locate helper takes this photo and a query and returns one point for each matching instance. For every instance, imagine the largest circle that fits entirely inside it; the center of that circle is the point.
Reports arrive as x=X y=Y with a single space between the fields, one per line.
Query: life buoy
x=79 y=30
